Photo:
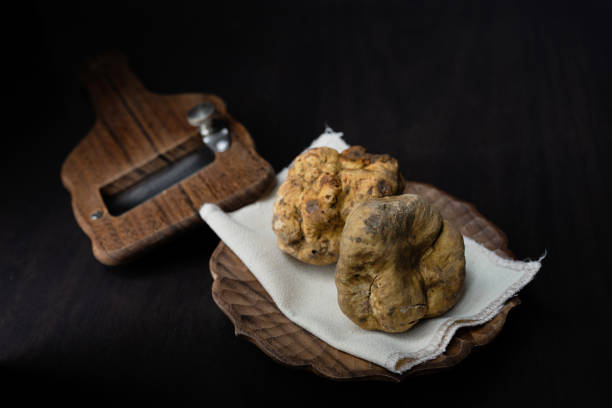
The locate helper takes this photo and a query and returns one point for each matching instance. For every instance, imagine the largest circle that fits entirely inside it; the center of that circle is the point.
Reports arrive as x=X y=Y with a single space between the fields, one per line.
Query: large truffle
x=399 y=262
x=321 y=189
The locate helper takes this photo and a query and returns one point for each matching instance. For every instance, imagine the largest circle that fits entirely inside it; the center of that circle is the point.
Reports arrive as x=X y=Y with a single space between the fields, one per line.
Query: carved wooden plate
x=255 y=316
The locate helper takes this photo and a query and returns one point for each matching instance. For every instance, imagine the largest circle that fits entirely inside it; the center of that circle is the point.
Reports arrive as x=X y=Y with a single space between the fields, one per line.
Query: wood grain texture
x=255 y=316
x=137 y=133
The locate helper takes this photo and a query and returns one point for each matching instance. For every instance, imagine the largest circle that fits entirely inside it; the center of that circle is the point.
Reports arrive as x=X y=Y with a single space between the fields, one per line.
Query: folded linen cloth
x=306 y=294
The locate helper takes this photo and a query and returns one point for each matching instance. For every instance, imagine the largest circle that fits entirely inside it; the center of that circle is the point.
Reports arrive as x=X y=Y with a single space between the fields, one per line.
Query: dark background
x=503 y=104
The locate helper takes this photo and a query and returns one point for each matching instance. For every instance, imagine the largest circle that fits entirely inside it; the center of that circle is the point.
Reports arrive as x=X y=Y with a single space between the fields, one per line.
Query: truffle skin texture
x=399 y=262
x=321 y=189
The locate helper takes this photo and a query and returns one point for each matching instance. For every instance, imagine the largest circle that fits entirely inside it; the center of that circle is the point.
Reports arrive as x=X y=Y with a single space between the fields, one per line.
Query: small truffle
x=399 y=262
x=321 y=189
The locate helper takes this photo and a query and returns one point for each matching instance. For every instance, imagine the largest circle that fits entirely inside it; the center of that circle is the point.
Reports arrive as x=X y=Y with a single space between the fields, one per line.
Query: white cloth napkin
x=306 y=294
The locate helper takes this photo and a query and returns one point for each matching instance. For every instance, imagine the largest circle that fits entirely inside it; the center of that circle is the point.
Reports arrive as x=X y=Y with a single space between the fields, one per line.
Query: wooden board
x=256 y=318
x=137 y=133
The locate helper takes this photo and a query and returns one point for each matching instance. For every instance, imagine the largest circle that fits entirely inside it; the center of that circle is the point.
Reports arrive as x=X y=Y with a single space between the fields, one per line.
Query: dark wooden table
x=505 y=105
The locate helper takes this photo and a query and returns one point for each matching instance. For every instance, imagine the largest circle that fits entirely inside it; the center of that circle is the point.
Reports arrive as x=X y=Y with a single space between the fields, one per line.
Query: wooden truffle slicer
x=139 y=177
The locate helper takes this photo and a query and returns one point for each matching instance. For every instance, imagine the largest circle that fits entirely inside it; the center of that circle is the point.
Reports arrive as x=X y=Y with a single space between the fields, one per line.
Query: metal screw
x=96 y=215
x=215 y=137
x=201 y=115
x=222 y=145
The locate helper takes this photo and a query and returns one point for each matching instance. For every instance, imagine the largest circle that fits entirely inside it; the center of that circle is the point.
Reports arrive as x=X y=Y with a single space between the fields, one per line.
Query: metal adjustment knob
x=214 y=134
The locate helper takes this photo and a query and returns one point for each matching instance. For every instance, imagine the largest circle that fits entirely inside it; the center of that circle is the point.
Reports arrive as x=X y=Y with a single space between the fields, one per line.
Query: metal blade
x=159 y=181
